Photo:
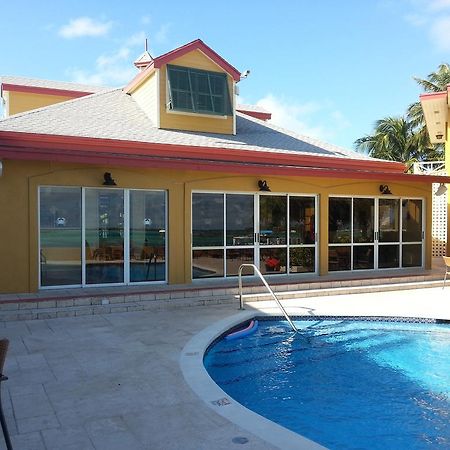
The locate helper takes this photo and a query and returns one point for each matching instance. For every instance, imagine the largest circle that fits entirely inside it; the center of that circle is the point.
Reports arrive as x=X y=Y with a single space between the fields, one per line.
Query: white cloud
x=440 y=33
x=161 y=36
x=84 y=26
x=313 y=119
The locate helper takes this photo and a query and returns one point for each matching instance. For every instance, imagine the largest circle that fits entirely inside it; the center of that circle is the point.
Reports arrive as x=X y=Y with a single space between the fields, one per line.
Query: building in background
x=168 y=180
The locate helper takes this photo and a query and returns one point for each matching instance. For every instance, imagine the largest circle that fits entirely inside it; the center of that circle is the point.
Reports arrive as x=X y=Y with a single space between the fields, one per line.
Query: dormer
x=190 y=88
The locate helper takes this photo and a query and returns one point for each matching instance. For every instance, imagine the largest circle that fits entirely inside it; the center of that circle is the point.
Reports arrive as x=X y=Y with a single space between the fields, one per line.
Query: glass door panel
x=237 y=256
x=389 y=220
x=301 y=220
x=207 y=235
x=240 y=220
x=339 y=220
x=147 y=236
x=60 y=236
x=273 y=234
x=302 y=259
x=207 y=220
x=272 y=260
x=272 y=219
x=411 y=220
x=388 y=256
x=104 y=235
x=363 y=220
x=411 y=255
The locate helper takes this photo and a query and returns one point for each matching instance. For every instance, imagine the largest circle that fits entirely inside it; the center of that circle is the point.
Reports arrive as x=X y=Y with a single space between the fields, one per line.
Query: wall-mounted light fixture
x=108 y=180
x=384 y=189
x=263 y=186
x=441 y=190
x=439 y=136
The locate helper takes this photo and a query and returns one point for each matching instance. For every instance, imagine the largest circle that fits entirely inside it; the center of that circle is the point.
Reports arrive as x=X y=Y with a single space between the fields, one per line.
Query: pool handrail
x=241 y=298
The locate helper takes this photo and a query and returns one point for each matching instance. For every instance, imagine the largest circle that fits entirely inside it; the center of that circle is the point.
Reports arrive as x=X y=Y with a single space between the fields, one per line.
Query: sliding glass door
x=91 y=236
x=233 y=229
x=374 y=233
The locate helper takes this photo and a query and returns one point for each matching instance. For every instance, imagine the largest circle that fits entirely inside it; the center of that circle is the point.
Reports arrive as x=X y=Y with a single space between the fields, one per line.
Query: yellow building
x=436 y=112
x=169 y=181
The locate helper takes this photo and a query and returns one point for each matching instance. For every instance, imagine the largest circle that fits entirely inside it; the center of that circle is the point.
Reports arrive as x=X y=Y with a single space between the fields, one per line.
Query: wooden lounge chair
x=447 y=269
x=4 y=343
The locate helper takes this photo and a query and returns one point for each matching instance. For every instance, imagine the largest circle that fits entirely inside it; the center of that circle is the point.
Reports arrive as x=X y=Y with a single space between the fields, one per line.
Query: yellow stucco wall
x=19 y=203
x=191 y=121
x=17 y=102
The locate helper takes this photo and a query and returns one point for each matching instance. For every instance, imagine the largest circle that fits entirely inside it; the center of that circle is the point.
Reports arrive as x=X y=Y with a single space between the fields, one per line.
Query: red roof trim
x=22 y=141
x=433 y=95
x=198 y=44
x=257 y=114
x=170 y=162
x=44 y=90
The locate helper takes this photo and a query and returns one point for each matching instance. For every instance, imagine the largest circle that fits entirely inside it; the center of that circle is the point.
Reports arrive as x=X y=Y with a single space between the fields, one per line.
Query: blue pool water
x=344 y=383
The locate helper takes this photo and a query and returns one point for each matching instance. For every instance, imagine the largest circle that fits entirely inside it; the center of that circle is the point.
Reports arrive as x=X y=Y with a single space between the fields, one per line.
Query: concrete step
x=48 y=305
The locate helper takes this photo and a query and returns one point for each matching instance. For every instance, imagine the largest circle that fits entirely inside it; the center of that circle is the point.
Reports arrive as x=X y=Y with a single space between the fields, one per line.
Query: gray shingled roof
x=115 y=115
x=50 y=84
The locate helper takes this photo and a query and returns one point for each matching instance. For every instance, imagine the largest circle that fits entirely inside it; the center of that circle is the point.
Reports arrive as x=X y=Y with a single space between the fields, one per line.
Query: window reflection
x=411 y=220
x=207 y=263
x=60 y=236
x=388 y=256
x=272 y=221
x=147 y=236
x=240 y=219
x=363 y=220
x=339 y=258
x=302 y=260
x=339 y=220
x=104 y=220
x=389 y=217
x=412 y=255
x=363 y=257
x=236 y=257
x=272 y=261
x=301 y=220
x=207 y=220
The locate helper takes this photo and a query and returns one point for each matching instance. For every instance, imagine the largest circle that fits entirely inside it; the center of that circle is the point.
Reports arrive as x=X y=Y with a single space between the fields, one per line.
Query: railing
x=241 y=298
x=429 y=168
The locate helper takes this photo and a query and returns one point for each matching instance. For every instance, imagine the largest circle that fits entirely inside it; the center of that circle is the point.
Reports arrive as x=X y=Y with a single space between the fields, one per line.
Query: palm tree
x=435 y=82
x=395 y=139
x=406 y=139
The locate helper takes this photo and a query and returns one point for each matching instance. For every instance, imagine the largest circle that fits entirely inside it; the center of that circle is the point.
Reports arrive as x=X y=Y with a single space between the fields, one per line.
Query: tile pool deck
x=114 y=381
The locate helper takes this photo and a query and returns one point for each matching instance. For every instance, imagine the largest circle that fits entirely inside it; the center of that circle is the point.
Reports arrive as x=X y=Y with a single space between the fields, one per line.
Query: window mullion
x=191 y=91
x=210 y=92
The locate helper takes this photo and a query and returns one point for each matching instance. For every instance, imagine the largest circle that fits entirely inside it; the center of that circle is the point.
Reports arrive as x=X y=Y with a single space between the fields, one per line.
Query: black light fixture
x=439 y=136
x=108 y=180
x=263 y=186
x=384 y=189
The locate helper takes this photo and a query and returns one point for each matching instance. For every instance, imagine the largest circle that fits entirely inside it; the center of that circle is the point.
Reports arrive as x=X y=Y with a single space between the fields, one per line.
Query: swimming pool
x=344 y=383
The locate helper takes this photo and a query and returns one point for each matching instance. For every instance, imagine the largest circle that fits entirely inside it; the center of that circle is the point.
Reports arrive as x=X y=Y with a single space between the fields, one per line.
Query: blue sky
x=324 y=68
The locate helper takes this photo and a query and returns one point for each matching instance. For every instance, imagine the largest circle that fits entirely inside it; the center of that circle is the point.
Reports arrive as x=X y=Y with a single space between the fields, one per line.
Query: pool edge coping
x=198 y=379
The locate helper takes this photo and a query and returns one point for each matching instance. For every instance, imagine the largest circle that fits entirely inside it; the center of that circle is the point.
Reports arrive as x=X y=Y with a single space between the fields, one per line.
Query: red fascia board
x=139 y=78
x=140 y=161
x=43 y=91
x=198 y=44
x=433 y=95
x=70 y=143
x=257 y=114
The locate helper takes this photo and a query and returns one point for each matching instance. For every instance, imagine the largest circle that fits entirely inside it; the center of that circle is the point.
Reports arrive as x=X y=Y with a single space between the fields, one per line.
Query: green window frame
x=198 y=91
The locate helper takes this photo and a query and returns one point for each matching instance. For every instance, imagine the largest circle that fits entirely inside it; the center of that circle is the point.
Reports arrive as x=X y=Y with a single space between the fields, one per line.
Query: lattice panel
x=439 y=223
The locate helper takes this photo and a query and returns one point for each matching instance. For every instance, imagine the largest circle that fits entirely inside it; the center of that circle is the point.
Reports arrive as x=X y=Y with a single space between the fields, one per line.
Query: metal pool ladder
x=241 y=298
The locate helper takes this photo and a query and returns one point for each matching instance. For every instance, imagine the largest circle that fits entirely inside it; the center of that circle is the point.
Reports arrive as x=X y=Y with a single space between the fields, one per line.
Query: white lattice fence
x=439 y=223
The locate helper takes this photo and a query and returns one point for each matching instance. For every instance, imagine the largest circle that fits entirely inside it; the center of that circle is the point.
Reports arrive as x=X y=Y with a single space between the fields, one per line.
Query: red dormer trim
x=166 y=58
x=43 y=90
x=198 y=44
